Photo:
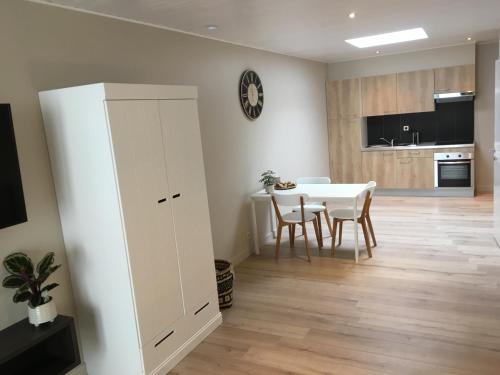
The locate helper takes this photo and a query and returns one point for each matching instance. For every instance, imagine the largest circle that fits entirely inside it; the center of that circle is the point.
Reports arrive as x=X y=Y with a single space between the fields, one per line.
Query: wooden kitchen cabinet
x=379 y=95
x=414 y=173
x=418 y=153
x=344 y=98
x=455 y=79
x=415 y=91
x=345 y=152
x=379 y=166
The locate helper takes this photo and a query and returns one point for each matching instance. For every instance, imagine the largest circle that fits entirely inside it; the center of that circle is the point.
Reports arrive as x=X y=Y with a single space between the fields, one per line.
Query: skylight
x=389 y=38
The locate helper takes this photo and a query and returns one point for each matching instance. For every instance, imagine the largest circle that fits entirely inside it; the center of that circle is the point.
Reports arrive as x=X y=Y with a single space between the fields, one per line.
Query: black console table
x=50 y=349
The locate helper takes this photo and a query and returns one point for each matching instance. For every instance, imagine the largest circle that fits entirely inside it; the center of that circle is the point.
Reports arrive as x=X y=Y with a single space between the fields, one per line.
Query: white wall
x=45 y=47
x=405 y=62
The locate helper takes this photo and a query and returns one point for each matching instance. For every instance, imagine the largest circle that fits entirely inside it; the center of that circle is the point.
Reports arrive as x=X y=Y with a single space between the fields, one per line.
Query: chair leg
x=278 y=241
x=316 y=230
x=334 y=236
x=365 y=234
x=370 y=226
x=308 y=251
x=328 y=222
x=290 y=236
x=320 y=230
x=341 y=227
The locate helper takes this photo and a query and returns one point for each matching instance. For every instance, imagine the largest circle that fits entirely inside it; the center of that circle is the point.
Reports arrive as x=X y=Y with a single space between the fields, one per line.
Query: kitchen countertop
x=423 y=145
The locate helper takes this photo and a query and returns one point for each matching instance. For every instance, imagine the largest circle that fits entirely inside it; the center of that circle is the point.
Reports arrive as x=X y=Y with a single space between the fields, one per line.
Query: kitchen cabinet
x=379 y=166
x=455 y=149
x=379 y=95
x=345 y=154
x=460 y=78
x=419 y=153
x=414 y=172
x=415 y=91
x=344 y=98
x=128 y=170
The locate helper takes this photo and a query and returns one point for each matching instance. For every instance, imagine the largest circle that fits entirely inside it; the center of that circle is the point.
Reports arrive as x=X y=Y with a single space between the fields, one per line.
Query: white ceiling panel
x=313 y=29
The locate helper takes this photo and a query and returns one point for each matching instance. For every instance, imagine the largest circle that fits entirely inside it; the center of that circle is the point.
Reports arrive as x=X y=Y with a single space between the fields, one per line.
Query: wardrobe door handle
x=201 y=308
x=163 y=339
x=176 y=195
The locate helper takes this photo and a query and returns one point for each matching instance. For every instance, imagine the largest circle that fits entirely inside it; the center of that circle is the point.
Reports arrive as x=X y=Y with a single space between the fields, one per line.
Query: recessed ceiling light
x=389 y=38
x=352 y=15
x=211 y=27
x=377 y=52
x=469 y=38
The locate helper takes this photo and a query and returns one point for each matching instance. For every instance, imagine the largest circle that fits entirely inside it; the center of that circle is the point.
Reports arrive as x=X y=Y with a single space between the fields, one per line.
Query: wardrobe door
x=147 y=215
x=186 y=175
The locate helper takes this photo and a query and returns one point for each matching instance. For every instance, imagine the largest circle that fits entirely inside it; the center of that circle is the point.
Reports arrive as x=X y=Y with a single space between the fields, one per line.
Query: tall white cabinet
x=128 y=170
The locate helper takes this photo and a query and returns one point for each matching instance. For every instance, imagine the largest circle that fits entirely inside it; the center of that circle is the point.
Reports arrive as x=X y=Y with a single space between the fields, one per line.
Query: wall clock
x=251 y=94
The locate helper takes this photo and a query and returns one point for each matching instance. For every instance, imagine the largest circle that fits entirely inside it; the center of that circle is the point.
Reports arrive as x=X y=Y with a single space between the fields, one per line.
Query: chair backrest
x=368 y=193
x=314 y=180
x=288 y=200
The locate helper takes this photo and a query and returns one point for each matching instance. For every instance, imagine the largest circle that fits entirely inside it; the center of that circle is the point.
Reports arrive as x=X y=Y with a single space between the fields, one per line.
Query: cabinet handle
x=201 y=308
x=162 y=200
x=163 y=339
x=176 y=195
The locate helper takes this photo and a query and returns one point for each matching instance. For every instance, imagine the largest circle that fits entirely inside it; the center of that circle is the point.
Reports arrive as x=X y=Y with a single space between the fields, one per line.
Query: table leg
x=256 y=246
x=355 y=221
x=272 y=215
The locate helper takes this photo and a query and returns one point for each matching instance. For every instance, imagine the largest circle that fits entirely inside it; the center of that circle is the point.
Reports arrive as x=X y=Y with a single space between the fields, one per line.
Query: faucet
x=391 y=142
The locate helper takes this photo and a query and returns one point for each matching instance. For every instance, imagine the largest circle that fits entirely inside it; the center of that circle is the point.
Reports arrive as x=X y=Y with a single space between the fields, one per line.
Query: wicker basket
x=224 y=283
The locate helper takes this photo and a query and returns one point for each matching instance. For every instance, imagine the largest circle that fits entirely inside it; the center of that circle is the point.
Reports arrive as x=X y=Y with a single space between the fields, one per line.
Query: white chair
x=291 y=219
x=316 y=207
x=343 y=214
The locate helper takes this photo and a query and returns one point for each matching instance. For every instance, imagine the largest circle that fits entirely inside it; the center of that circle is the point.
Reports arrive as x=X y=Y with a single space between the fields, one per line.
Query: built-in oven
x=453 y=169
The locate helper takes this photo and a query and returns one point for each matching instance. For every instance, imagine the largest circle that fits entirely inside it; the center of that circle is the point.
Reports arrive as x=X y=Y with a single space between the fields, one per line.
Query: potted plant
x=268 y=178
x=28 y=282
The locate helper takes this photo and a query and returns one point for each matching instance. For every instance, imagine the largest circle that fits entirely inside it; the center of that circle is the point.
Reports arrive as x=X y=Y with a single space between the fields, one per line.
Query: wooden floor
x=428 y=302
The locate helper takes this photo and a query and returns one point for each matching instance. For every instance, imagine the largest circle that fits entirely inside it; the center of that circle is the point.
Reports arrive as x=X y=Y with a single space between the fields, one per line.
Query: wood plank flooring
x=428 y=302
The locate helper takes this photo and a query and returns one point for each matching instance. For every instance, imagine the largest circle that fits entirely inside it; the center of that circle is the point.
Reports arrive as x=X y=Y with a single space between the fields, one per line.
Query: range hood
x=454 y=97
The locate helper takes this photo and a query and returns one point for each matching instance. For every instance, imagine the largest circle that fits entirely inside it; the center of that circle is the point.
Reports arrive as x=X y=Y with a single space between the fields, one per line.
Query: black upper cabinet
x=449 y=123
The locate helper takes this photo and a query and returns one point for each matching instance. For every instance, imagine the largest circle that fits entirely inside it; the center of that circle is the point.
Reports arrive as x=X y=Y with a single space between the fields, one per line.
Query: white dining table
x=330 y=193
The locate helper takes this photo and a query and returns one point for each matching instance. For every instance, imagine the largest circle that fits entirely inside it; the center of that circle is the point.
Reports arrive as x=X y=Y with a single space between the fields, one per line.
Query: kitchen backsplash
x=449 y=123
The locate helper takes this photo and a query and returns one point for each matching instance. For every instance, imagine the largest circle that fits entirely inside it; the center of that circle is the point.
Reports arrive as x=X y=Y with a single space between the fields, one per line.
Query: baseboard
x=188 y=346
x=484 y=189
x=240 y=257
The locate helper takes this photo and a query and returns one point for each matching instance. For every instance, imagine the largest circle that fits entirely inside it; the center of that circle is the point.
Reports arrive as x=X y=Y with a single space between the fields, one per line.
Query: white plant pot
x=43 y=313
x=269 y=189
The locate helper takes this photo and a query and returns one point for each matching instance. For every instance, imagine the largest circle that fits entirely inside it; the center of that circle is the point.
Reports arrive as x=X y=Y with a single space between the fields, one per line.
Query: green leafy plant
x=268 y=178
x=22 y=276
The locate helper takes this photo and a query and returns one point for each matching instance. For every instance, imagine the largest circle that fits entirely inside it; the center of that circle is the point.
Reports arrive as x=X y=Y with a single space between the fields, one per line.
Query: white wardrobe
x=128 y=170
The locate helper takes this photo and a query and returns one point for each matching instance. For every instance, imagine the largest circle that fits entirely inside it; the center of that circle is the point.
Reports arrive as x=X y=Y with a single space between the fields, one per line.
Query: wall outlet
x=406 y=128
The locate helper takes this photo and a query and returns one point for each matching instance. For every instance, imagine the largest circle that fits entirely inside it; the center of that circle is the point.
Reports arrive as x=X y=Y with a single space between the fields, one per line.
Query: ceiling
x=312 y=29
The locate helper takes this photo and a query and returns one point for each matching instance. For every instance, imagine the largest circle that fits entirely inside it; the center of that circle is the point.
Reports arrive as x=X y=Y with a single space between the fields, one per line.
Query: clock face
x=251 y=94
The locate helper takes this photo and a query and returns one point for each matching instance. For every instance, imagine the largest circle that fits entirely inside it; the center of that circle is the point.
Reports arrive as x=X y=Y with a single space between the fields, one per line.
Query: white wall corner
x=239 y=257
